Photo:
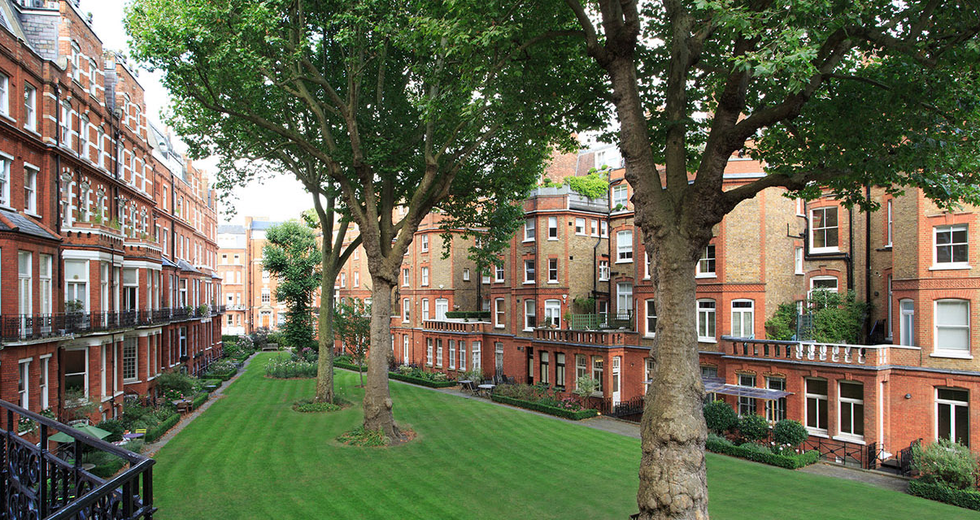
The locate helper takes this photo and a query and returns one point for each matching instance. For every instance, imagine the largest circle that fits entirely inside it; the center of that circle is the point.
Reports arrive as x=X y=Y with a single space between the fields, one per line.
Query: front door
x=617 y=362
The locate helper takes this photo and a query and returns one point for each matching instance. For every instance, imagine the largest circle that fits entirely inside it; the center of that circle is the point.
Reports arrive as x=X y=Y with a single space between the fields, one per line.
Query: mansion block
x=107 y=234
x=572 y=296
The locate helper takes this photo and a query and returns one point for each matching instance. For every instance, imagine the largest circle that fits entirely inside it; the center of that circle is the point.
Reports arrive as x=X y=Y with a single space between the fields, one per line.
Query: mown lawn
x=251 y=456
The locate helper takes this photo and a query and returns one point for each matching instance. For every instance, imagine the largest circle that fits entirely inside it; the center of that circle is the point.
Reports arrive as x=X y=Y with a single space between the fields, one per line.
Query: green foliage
x=567 y=413
x=308 y=406
x=364 y=438
x=352 y=324
x=284 y=367
x=750 y=451
x=546 y=182
x=782 y=324
x=293 y=256
x=969 y=499
x=947 y=463
x=789 y=432
x=720 y=417
x=76 y=405
x=585 y=386
x=115 y=427
x=421 y=377
x=475 y=315
x=595 y=185
x=753 y=427
x=837 y=318
x=175 y=385
x=152 y=434
x=199 y=400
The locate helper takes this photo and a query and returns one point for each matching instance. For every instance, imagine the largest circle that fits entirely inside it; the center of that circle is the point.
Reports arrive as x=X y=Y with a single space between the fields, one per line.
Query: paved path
x=151 y=449
x=875 y=478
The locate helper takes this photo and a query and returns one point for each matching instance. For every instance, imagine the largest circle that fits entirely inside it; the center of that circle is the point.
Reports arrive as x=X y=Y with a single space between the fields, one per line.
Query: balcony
x=21 y=327
x=39 y=483
x=602 y=338
x=604 y=321
x=815 y=352
x=476 y=327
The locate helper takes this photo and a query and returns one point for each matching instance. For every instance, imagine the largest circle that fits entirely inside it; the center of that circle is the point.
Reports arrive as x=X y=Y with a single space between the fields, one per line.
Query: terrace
x=811 y=352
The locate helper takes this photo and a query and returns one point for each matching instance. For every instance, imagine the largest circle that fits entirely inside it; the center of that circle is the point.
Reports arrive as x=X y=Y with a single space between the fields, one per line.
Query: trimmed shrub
x=475 y=315
x=308 y=406
x=754 y=453
x=175 y=385
x=348 y=366
x=948 y=463
x=575 y=415
x=162 y=428
x=789 y=432
x=199 y=399
x=115 y=427
x=941 y=493
x=753 y=427
x=424 y=381
x=720 y=417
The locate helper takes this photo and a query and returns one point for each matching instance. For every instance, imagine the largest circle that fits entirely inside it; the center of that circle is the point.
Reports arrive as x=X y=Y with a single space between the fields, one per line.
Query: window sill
x=529 y=283
x=854 y=439
x=629 y=261
x=707 y=340
x=950 y=267
x=706 y=275
x=8 y=118
x=799 y=273
x=527 y=241
x=951 y=354
x=651 y=336
x=499 y=326
x=553 y=281
x=824 y=250
x=552 y=239
x=33 y=131
x=817 y=433
x=603 y=279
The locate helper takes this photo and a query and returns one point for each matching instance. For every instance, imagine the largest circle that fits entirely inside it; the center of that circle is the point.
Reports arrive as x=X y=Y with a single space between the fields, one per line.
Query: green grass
x=251 y=456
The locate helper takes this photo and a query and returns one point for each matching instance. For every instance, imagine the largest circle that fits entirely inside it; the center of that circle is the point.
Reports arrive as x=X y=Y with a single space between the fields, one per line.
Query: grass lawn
x=251 y=456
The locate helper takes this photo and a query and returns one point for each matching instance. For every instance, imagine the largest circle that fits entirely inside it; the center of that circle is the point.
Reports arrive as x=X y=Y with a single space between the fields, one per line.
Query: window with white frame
x=466 y=274
x=552 y=270
x=4 y=94
x=706 y=320
x=746 y=405
x=798 y=260
x=5 y=180
x=45 y=382
x=406 y=309
x=424 y=276
x=477 y=360
x=452 y=354
x=890 y=315
x=646 y=265
x=906 y=323
x=594 y=227
x=816 y=404
x=485 y=278
x=624 y=299
x=529 y=229
x=83 y=127
x=648 y=371
x=74 y=363
x=92 y=83
x=357 y=279
x=30 y=107
x=45 y=265
x=529 y=271
x=439 y=352
x=30 y=189
x=580 y=226
x=581 y=368
x=618 y=198
x=888 y=223
x=953 y=415
x=129 y=359
x=66 y=124
x=499 y=273
x=529 y=315
x=425 y=309
x=603 y=270
x=25 y=283
x=552 y=313
x=266 y=295
x=543 y=364
x=651 y=318
x=23 y=383
x=498 y=313
x=424 y=243
x=823 y=230
x=952 y=319
x=442 y=307
x=952 y=246
x=560 y=370
x=624 y=246
x=428 y=351
x=743 y=318
x=822 y=283
x=343 y=280
x=404 y=277
x=552 y=228
x=597 y=368
x=604 y=227
x=706 y=265
x=851 y=401
x=462 y=355
x=776 y=408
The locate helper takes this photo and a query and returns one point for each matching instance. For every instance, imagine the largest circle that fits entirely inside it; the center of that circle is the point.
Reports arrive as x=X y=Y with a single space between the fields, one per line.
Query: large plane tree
x=831 y=95
x=420 y=105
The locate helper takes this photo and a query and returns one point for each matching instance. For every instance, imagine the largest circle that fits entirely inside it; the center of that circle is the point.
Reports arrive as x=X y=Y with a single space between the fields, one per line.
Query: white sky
x=280 y=198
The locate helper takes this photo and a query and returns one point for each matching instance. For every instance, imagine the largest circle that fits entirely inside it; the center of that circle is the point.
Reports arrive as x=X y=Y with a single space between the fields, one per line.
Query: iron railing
x=21 y=327
x=38 y=483
x=843 y=452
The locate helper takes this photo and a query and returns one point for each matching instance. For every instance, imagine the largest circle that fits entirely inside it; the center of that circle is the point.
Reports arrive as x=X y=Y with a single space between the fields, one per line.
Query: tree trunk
x=673 y=483
x=377 y=398
x=324 y=369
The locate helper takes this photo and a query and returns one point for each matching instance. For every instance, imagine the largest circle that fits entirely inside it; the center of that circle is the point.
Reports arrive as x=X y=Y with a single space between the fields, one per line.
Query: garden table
x=487 y=388
x=466 y=384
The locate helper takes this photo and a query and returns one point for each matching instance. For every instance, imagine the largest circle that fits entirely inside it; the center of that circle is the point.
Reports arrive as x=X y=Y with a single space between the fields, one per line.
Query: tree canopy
x=293 y=256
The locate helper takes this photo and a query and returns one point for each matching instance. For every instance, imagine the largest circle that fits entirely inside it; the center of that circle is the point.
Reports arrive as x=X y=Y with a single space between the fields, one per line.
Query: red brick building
x=107 y=235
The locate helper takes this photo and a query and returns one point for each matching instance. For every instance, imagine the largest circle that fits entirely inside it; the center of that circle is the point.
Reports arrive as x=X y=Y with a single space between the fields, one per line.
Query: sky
x=279 y=198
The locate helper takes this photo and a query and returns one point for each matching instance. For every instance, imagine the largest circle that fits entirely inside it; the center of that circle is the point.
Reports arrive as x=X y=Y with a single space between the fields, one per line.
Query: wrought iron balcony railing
x=21 y=327
x=40 y=483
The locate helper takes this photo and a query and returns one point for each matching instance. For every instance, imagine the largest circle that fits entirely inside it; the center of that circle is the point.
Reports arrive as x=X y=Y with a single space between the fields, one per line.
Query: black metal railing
x=629 y=410
x=905 y=458
x=842 y=452
x=30 y=327
x=39 y=483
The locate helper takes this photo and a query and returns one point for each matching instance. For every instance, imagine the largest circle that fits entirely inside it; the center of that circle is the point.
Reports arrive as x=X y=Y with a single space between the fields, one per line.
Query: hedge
x=224 y=377
x=157 y=431
x=420 y=381
x=348 y=366
x=941 y=493
x=575 y=415
x=107 y=470
x=795 y=461
x=225 y=338
x=199 y=400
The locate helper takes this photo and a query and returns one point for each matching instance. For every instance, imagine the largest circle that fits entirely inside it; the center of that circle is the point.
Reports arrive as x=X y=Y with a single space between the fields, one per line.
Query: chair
x=140 y=431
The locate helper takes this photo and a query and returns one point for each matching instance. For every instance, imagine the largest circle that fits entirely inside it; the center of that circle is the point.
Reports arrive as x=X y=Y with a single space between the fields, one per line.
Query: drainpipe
x=867 y=261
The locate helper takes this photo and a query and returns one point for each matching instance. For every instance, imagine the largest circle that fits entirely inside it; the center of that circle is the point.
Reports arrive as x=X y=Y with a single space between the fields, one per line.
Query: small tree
x=837 y=318
x=352 y=321
x=789 y=433
x=947 y=463
x=719 y=416
x=753 y=427
x=782 y=324
x=293 y=256
x=585 y=386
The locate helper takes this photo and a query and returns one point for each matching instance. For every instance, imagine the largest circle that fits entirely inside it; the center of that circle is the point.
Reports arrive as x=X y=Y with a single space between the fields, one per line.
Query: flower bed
x=416 y=375
x=759 y=453
x=567 y=413
x=282 y=367
x=223 y=370
x=942 y=493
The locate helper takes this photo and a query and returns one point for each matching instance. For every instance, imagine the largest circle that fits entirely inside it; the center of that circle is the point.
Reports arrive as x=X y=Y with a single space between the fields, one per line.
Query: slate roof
x=14 y=221
x=232 y=229
x=262 y=224
x=184 y=266
x=167 y=263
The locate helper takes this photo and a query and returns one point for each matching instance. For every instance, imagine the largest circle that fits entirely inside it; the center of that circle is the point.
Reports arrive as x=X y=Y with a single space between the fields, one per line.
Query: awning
x=718 y=386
